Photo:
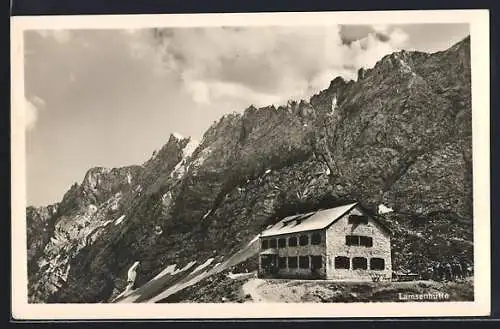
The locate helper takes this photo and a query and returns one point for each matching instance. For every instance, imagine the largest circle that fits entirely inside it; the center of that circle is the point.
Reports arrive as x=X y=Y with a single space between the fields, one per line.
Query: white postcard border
x=479 y=30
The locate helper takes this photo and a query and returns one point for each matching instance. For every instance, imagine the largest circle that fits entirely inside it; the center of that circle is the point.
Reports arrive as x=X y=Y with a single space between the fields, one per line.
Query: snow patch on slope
x=207 y=214
x=119 y=220
x=182 y=166
x=114 y=205
x=334 y=106
x=382 y=209
x=166 y=197
x=202 y=266
x=106 y=223
x=92 y=209
x=179 y=169
x=168 y=270
x=188 y=266
x=403 y=65
x=190 y=148
x=255 y=238
x=202 y=157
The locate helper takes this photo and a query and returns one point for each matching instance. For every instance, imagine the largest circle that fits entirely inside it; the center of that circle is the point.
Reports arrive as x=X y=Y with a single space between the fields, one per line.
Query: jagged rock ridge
x=400 y=136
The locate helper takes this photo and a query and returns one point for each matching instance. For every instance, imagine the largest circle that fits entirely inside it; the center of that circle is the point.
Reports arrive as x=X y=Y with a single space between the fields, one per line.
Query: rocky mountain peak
x=337 y=84
x=99 y=178
x=94 y=177
x=400 y=62
x=176 y=138
x=327 y=100
x=222 y=127
x=462 y=45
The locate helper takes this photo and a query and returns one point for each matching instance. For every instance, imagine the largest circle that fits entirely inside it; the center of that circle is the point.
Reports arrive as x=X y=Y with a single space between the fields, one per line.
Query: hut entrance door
x=269 y=263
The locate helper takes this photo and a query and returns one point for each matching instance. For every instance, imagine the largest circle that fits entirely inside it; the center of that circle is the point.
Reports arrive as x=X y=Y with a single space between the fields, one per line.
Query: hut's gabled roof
x=315 y=220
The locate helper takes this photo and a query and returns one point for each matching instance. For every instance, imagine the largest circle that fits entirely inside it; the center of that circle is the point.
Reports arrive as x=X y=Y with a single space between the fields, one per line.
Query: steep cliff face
x=400 y=135
x=57 y=233
x=40 y=226
x=400 y=128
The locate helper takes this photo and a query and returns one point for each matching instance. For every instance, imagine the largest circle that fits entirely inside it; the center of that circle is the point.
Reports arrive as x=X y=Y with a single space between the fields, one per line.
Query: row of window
x=293 y=241
x=359 y=263
x=341 y=262
x=303 y=240
x=300 y=262
x=359 y=240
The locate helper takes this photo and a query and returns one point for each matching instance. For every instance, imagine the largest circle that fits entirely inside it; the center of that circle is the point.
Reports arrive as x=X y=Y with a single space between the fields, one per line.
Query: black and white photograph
x=256 y=160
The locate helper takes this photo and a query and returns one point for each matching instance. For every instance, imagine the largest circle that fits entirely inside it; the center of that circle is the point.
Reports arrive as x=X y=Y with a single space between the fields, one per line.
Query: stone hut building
x=342 y=243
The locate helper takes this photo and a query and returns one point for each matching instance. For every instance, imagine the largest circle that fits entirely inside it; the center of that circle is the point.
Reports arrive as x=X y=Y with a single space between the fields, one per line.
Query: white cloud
x=38 y=101
x=61 y=36
x=380 y=28
x=324 y=78
x=261 y=63
x=31 y=109
x=398 y=38
x=219 y=90
x=30 y=114
x=131 y=31
x=367 y=51
x=200 y=90
x=141 y=47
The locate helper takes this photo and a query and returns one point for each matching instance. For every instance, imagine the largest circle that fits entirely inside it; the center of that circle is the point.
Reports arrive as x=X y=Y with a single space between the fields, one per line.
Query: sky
x=111 y=97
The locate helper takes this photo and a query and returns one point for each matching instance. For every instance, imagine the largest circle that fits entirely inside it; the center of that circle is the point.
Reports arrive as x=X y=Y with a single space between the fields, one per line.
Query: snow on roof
x=315 y=220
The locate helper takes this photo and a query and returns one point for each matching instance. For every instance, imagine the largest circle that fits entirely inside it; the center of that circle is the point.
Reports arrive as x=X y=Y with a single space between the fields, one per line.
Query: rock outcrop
x=400 y=136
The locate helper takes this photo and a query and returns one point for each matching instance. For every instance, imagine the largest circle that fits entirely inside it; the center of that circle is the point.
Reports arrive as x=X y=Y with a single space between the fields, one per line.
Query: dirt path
x=323 y=291
x=251 y=287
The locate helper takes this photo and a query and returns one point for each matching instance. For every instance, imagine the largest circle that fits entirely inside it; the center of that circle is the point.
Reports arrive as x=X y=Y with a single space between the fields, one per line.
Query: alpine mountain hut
x=341 y=243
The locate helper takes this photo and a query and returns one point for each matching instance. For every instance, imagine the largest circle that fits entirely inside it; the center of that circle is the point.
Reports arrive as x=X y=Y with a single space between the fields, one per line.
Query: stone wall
x=336 y=246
